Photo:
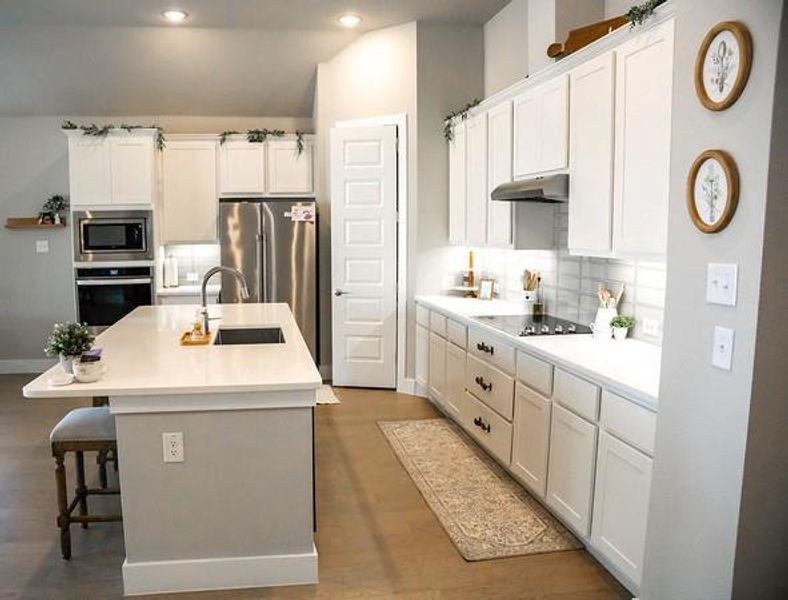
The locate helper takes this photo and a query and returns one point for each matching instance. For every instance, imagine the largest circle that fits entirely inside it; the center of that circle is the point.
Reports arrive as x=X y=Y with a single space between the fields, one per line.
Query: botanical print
x=711 y=191
x=721 y=65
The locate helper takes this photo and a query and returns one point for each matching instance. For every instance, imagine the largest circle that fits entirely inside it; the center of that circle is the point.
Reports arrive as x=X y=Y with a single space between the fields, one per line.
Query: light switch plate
x=42 y=246
x=722 y=349
x=721 y=283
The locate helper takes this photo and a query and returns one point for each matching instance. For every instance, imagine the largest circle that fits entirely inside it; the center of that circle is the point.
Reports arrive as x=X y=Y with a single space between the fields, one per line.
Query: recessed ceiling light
x=349 y=20
x=175 y=15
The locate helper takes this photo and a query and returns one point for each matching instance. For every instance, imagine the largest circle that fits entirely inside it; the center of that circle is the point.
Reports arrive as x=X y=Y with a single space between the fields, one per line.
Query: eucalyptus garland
x=103 y=130
x=450 y=119
x=637 y=15
x=258 y=136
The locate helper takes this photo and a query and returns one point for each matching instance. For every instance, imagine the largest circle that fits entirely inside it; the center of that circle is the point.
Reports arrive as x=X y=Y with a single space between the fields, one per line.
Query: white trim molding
x=25 y=365
x=169 y=576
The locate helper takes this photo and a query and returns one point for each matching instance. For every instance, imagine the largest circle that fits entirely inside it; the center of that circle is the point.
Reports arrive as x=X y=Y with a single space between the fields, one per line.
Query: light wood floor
x=377 y=538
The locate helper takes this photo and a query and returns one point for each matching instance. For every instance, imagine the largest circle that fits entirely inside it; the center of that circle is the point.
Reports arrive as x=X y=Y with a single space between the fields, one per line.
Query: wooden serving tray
x=187 y=340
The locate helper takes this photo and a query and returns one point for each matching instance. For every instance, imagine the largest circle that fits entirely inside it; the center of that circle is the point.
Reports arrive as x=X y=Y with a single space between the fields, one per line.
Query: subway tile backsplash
x=569 y=283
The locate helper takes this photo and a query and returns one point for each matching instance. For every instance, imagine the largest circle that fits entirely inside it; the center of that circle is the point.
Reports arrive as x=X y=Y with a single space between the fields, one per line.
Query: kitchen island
x=238 y=510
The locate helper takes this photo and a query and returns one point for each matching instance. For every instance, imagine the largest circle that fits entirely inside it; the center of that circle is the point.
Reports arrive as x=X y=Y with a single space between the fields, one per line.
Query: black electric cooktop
x=528 y=325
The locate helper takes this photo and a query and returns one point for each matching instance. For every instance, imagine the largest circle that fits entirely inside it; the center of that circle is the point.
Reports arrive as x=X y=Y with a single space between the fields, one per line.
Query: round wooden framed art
x=712 y=190
x=722 y=65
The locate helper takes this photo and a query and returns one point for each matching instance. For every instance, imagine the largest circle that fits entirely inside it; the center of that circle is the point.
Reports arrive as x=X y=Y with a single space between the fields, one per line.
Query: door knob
x=338 y=292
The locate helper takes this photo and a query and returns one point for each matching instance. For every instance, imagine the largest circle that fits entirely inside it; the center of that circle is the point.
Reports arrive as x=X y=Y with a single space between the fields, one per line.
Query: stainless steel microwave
x=112 y=235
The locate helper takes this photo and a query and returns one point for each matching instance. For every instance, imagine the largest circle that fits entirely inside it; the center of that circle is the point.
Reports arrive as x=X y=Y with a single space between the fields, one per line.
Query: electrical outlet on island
x=173 y=446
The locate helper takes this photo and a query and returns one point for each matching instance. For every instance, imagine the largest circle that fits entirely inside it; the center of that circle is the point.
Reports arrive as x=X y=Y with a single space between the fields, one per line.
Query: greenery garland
x=258 y=136
x=450 y=119
x=102 y=131
x=637 y=15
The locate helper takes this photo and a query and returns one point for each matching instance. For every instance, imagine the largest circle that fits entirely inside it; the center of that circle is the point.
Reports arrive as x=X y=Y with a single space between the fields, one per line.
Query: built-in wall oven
x=101 y=236
x=107 y=294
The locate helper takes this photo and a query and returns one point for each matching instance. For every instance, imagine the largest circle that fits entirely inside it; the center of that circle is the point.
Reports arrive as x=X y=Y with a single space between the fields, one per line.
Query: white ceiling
x=232 y=57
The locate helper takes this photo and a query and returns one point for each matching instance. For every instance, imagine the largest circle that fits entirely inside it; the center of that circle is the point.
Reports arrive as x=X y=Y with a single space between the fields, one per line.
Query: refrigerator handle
x=258 y=263
x=262 y=242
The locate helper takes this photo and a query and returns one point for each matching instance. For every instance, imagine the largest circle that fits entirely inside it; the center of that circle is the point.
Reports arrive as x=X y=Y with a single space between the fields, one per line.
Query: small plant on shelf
x=67 y=341
x=53 y=206
x=621 y=325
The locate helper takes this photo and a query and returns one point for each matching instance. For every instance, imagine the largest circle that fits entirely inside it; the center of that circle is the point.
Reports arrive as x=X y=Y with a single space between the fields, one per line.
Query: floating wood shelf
x=31 y=223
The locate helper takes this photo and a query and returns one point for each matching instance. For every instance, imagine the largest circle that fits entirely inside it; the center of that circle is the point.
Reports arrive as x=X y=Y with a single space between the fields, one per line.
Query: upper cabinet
x=457 y=184
x=541 y=124
x=189 y=203
x=477 y=191
x=241 y=168
x=499 y=170
x=116 y=170
x=644 y=75
x=289 y=171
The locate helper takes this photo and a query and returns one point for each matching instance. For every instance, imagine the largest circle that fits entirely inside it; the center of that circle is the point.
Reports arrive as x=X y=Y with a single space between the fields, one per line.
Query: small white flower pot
x=67 y=364
x=620 y=333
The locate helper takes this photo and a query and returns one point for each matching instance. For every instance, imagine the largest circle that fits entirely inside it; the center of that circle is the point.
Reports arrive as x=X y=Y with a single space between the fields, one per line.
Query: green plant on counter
x=69 y=339
x=622 y=321
x=637 y=15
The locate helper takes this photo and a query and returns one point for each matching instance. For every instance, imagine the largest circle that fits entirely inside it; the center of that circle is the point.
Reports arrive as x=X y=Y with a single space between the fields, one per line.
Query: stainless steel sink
x=248 y=335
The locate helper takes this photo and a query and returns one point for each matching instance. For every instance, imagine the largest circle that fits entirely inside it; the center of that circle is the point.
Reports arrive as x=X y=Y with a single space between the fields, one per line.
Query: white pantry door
x=364 y=256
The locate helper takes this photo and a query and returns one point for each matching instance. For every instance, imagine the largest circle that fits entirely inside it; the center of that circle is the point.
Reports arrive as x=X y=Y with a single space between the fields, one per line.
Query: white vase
x=620 y=333
x=67 y=364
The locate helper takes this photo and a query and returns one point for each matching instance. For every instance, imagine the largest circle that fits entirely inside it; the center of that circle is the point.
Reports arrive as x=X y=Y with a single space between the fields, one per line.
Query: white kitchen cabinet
x=455 y=380
x=591 y=117
x=477 y=193
x=499 y=170
x=570 y=472
x=541 y=124
x=531 y=438
x=89 y=171
x=623 y=481
x=289 y=173
x=241 y=168
x=189 y=204
x=642 y=142
x=132 y=168
x=422 y=356
x=457 y=184
x=437 y=368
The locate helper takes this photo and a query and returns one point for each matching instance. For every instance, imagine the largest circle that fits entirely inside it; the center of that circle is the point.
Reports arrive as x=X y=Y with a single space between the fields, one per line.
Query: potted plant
x=54 y=206
x=621 y=324
x=68 y=341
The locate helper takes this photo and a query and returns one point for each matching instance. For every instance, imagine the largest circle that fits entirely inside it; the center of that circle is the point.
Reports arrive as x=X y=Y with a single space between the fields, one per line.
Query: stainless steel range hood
x=547 y=189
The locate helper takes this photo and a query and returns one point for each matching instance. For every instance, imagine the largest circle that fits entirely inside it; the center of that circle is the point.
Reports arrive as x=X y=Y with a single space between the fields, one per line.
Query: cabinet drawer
x=491 y=386
x=457 y=333
x=422 y=316
x=488 y=428
x=628 y=421
x=438 y=323
x=578 y=394
x=535 y=373
x=491 y=349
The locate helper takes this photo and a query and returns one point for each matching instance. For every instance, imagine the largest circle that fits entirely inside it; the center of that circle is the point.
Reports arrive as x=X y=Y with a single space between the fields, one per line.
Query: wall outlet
x=42 y=246
x=651 y=327
x=722 y=351
x=173 y=446
x=192 y=276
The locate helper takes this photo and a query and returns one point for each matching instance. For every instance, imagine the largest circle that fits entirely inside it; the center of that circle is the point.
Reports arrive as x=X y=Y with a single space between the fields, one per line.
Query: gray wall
x=36 y=290
x=506 y=47
x=703 y=412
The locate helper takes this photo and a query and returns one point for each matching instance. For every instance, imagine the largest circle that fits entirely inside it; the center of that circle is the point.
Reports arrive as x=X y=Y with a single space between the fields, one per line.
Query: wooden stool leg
x=62 y=505
x=102 y=461
x=81 y=487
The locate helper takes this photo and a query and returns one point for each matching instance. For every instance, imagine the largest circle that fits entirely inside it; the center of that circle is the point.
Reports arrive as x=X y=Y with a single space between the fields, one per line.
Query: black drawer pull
x=481 y=346
x=487 y=387
x=479 y=422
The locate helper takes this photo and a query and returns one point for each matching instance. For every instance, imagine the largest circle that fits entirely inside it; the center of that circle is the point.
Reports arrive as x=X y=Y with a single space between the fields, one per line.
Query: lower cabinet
x=455 y=380
x=531 y=438
x=570 y=479
x=422 y=355
x=623 y=482
x=437 y=368
x=490 y=429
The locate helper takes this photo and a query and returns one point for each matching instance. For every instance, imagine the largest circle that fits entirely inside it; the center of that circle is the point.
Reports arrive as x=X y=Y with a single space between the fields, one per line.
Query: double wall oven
x=113 y=258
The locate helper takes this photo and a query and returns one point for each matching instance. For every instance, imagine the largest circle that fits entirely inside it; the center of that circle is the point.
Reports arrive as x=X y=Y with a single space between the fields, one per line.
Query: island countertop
x=143 y=356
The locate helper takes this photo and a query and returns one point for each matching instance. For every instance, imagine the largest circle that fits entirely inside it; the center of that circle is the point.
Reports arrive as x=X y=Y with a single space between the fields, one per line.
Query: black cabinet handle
x=479 y=422
x=487 y=387
x=481 y=346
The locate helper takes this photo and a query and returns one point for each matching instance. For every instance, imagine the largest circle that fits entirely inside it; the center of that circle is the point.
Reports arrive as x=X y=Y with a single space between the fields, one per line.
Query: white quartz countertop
x=143 y=356
x=629 y=367
x=189 y=290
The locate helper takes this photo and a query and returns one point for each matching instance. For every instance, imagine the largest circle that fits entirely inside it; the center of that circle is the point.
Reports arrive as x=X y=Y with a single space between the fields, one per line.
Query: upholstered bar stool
x=82 y=430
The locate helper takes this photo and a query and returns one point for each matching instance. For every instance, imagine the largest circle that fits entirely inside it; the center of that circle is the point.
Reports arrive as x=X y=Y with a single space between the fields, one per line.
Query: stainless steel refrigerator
x=274 y=244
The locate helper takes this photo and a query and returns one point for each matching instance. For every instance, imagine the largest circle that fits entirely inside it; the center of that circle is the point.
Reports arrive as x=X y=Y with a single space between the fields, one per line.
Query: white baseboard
x=407 y=385
x=25 y=365
x=167 y=576
x=325 y=372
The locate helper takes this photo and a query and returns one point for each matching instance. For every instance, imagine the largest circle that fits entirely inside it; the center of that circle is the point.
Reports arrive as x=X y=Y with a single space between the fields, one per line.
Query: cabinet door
x=591 y=157
x=437 y=368
x=241 y=166
x=499 y=170
x=623 y=481
x=644 y=74
x=132 y=169
x=455 y=380
x=553 y=124
x=476 y=225
x=526 y=134
x=189 y=205
x=422 y=355
x=570 y=472
x=89 y=171
x=457 y=184
x=531 y=438
x=289 y=173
